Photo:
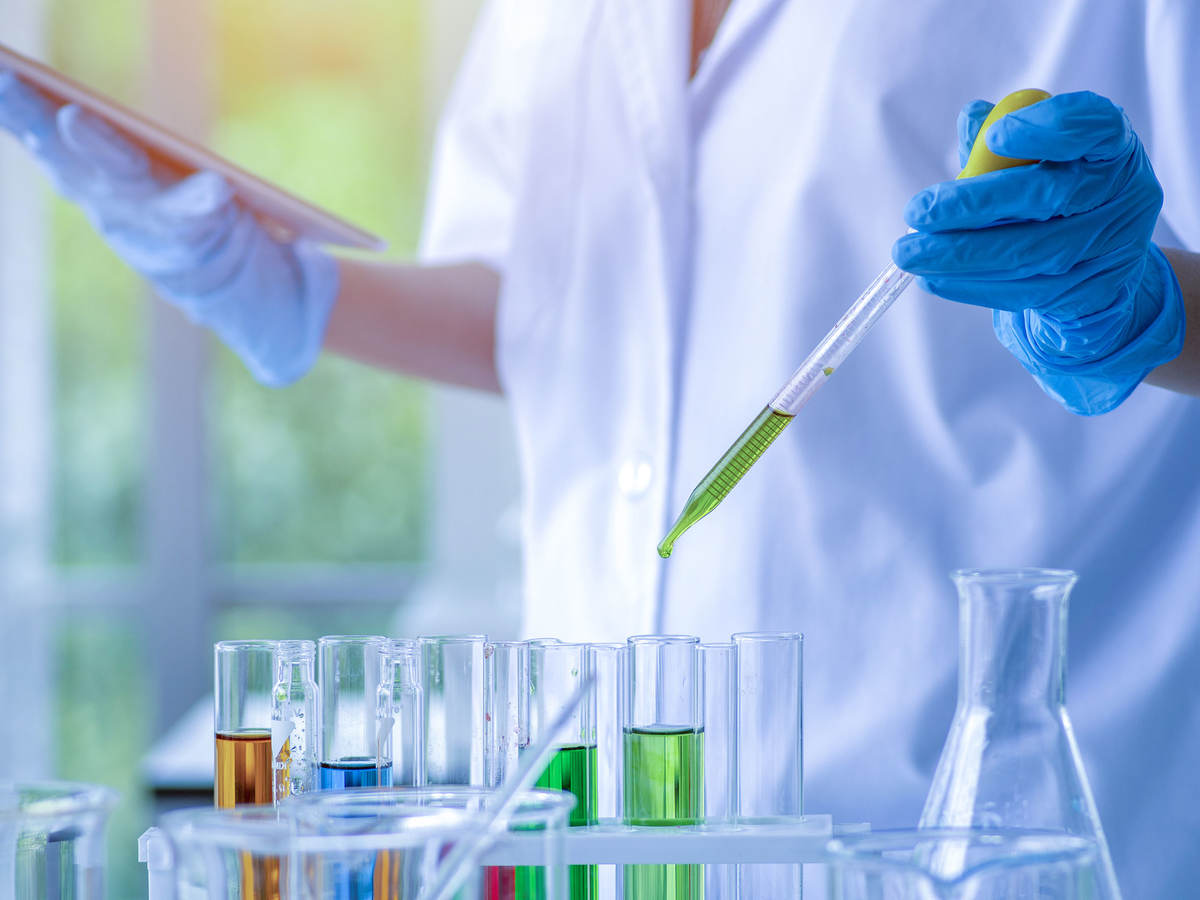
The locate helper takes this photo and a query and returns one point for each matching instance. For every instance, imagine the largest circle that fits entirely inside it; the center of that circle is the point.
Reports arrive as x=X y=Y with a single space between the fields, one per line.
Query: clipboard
x=280 y=210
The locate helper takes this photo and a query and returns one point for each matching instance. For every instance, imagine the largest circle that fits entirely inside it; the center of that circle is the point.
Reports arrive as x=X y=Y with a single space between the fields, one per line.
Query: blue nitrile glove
x=1060 y=250
x=269 y=301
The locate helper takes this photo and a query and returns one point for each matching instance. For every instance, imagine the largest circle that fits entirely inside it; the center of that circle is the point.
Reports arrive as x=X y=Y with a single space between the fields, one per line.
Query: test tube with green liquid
x=556 y=670
x=663 y=765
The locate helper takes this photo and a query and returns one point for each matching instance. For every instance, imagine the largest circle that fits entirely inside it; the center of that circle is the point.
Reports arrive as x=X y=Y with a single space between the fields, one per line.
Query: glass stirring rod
x=828 y=354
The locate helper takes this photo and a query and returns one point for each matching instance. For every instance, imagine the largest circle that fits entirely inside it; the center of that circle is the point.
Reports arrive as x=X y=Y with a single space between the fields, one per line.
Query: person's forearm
x=436 y=322
x=1183 y=372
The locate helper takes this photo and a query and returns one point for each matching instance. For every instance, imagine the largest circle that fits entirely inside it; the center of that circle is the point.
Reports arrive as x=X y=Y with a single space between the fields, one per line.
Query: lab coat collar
x=743 y=21
x=650 y=44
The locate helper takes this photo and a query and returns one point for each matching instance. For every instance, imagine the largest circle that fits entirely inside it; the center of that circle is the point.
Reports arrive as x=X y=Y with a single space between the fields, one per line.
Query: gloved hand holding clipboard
x=234 y=252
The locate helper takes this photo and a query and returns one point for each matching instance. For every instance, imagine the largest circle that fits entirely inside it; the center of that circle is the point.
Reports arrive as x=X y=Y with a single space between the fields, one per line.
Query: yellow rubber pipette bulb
x=754 y=441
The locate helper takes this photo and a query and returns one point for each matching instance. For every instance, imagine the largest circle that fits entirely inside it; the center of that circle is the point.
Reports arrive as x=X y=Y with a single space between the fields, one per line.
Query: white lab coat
x=671 y=251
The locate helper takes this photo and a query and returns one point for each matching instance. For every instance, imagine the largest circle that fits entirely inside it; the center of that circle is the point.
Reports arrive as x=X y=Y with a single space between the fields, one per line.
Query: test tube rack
x=791 y=842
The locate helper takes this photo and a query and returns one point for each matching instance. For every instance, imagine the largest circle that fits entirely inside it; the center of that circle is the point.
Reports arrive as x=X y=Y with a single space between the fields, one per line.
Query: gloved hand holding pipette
x=1060 y=250
x=268 y=300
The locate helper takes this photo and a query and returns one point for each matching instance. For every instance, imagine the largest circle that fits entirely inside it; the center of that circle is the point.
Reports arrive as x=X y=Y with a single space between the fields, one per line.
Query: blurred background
x=153 y=498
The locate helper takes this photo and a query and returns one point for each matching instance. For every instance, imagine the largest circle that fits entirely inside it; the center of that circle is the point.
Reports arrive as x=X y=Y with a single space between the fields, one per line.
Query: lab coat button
x=634 y=477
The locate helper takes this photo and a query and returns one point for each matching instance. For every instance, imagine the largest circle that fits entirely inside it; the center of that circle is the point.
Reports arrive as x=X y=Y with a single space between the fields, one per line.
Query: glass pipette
x=828 y=354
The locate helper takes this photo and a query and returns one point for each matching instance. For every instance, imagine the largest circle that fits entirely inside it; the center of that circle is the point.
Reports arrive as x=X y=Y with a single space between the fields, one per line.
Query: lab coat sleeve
x=1173 y=64
x=469 y=211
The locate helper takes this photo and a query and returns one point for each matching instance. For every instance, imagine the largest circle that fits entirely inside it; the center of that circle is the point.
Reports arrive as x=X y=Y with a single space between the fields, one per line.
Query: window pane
x=278 y=623
x=326 y=100
x=98 y=329
x=102 y=729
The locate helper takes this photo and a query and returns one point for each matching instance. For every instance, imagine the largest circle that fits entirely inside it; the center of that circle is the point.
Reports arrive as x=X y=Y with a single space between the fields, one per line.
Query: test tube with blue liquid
x=352 y=742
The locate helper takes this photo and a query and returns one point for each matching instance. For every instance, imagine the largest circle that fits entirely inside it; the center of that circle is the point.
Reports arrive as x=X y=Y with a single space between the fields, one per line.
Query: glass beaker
x=534 y=842
x=1010 y=760
x=961 y=864
x=322 y=843
x=244 y=689
x=52 y=840
x=352 y=742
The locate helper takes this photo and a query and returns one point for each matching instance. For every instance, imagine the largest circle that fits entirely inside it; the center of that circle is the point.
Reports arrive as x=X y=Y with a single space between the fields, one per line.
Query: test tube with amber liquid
x=244 y=685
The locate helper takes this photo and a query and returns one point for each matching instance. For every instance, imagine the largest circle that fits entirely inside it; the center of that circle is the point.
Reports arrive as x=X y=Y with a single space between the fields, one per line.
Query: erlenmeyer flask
x=960 y=864
x=1011 y=759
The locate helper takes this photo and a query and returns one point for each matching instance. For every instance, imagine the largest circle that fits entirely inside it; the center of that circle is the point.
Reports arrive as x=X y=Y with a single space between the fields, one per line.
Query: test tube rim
x=326 y=639
x=661 y=639
x=1024 y=574
x=299 y=647
x=251 y=644
x=455 y=639
x=763 y=637
x=608 y=645
x=75 y=798
x=577 y=646
x=397 y=646
x=717 y=645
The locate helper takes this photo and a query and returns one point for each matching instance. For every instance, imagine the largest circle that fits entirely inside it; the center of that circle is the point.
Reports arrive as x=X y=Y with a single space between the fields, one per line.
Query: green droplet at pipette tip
x=728 y=471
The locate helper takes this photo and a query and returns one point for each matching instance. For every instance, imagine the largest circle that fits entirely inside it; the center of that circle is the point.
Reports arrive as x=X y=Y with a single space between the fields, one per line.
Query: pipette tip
x=665 y=548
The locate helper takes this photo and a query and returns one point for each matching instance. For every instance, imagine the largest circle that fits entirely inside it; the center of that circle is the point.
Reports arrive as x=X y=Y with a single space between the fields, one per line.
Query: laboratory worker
x=644 y=213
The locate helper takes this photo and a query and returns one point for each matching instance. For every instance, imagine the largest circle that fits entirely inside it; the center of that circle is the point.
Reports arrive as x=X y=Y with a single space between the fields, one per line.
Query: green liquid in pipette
x=728 y=471
x=664 y=785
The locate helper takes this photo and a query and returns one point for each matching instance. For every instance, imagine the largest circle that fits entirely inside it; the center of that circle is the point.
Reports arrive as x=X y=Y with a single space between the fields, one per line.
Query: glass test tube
x=244 y=682
x=608 y=667
x=556 y=671
x=770 y=748
x=400 y=712
x=294 y=719
x=506 y=737
x=664 y=756
x=352 y=743
x=718 y=666
x=455 y=683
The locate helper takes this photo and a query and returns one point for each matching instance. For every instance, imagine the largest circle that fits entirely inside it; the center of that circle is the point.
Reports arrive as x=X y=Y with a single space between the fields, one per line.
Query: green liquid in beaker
x=571 y=769
x=664 y=785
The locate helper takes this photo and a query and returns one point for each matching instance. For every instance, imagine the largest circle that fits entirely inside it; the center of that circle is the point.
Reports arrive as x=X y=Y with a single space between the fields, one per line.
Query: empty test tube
x=454 y=680
x=770 y=747
x=719 y=674
x=400 y=712
x=506 y=737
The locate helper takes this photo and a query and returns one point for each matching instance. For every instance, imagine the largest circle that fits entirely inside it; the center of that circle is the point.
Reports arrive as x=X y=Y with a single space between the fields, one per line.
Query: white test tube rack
x=794 y=841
